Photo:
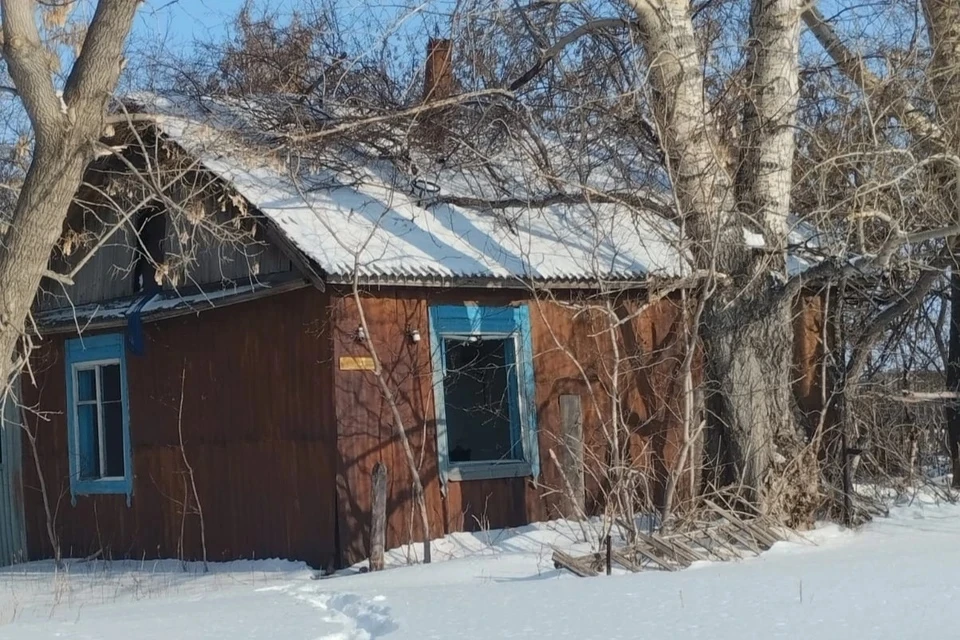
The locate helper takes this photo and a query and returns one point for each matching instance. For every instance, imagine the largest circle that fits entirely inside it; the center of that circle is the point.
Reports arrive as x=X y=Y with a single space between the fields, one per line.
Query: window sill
x=465 y=471
x=101 y=487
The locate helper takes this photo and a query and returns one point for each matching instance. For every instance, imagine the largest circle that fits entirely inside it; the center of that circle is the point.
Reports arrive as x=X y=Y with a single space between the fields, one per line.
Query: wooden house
x=206 y=380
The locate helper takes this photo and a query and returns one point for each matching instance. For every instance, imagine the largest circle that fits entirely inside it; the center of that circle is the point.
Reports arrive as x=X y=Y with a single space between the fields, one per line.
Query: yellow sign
x=356 y=363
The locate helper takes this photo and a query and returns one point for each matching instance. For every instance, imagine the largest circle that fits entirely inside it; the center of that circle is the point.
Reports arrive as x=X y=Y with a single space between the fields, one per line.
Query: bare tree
x=67 y=128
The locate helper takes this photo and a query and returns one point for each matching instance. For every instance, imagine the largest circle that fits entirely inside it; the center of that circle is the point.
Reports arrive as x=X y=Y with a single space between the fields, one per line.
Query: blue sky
x=183 y=21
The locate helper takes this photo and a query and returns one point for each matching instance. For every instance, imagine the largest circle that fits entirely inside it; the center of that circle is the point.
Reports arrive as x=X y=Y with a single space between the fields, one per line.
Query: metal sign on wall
x=356 y=363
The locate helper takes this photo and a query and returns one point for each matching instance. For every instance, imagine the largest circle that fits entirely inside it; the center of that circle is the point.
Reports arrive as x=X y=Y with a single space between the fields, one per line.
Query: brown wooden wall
x=258 y=429
x=283 y=442
x=365 y=424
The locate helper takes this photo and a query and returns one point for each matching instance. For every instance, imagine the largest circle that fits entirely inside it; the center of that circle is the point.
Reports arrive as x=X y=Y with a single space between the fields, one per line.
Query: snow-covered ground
x=894 y=579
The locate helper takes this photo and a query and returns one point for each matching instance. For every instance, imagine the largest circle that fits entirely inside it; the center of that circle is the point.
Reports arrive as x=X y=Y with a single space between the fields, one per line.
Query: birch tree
x=67 y=125
x=747 y=323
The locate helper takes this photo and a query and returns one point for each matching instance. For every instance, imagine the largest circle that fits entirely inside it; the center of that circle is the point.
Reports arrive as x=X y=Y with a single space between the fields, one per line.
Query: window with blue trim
x=98 y=416
x=484 y=392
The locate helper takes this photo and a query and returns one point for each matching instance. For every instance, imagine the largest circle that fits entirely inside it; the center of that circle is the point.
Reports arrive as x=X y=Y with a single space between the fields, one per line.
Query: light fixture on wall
x=414 y=335
x=361 y=334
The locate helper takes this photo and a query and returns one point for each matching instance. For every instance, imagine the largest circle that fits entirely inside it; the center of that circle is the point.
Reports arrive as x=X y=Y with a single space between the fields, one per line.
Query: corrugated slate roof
x=374 y=224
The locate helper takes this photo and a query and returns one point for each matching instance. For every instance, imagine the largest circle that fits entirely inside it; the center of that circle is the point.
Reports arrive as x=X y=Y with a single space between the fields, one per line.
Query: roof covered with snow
x=351 y=211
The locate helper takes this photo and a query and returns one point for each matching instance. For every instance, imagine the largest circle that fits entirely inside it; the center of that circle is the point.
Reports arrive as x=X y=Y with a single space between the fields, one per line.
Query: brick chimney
x=438 y=80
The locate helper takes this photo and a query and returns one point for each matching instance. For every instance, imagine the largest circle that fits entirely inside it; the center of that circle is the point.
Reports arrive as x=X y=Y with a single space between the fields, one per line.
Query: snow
x=369 y=216
x=893 y=579
x=114 y=310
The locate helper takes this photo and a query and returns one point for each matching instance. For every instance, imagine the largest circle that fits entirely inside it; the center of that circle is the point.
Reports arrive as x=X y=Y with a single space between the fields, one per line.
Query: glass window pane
x=110 y=382
x=88 y=434
x=86 y=385
x=113 y=439
x=477 y=400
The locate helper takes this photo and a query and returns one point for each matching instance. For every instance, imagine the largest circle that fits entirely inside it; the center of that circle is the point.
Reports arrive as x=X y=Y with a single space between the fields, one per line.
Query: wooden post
x=609 y=555
x=571 y=432
x=378 y=519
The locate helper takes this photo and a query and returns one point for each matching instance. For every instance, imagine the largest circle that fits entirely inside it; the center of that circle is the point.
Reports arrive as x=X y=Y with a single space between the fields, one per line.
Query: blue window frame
x=484 y=392
x=98 y=416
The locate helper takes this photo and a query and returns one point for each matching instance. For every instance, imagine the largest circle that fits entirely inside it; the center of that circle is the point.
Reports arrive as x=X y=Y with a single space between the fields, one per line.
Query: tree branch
x=403 y=113
x=861 y=349
x=916 y=122
x=27 y=62
x=831 y=270
x=627 y=198
x=590 y=27
x=98 y=66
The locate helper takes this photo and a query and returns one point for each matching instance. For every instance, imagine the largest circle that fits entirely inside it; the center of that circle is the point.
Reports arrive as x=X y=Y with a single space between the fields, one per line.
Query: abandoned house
x=206 y=382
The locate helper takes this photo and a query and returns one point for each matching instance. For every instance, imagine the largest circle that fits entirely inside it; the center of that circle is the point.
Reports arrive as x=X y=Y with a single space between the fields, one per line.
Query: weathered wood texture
x=810 y=376
x=571 y=455
x=258 y=430
x=207 y=241
x=202 y=258
x=378 y=528
x=284 y=442
x=649 y=404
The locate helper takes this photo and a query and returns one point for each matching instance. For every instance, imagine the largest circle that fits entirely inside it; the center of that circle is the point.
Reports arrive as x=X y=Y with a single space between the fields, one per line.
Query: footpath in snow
x=894 y=579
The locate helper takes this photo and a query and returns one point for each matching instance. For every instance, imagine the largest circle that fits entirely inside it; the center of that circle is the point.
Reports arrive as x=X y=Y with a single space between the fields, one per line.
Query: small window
x=97 y=416
x=100 y=421
x=484 y=392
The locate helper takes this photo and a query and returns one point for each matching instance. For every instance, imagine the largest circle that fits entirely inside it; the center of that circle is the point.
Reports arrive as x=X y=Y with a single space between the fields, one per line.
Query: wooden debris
x=755 y=531
x=577 y=566
x=624 y=561
x=666 y=549
x=720 y=542
x=654 y=556
x=727 y=538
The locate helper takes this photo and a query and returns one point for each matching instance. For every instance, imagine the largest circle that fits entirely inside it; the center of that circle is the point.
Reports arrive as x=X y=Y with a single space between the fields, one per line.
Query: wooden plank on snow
x=577 y=566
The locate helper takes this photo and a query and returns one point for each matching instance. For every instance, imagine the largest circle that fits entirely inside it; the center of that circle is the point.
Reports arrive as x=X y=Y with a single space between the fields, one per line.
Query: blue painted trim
x=468 y=320
x=528 y=399
x=92 y=349
x=438 y=357
x=135 y=341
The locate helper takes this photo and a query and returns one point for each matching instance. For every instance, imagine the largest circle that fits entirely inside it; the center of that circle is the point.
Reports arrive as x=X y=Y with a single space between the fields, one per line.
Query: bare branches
x=98 y=66
x=629 y=198
x=591 y=27
x=919 y=125
x=422 y=109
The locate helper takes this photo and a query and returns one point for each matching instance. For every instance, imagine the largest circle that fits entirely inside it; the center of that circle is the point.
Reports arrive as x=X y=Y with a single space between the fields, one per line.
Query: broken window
x=479 y=386
x=151 y=229
x=484 y=392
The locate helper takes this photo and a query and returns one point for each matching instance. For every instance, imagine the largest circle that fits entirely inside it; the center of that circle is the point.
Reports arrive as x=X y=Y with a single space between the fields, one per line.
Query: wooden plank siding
x=650 y=407
x=258 y=430
x=283 y=441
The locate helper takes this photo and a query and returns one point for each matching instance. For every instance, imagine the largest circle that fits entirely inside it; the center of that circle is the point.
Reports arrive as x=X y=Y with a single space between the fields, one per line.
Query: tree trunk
x=953 y=377
x=943 y=27
x=66 y=129
x=748 y=338
x=51 y=182
x=747 y=328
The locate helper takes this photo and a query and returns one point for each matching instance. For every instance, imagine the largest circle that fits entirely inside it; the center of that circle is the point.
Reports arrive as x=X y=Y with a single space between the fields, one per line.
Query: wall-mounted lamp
x=361 y=335
x=414 y=335
x=473 y=339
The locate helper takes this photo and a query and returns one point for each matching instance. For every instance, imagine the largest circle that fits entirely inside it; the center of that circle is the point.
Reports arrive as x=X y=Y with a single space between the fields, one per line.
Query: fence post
x=571 y=432
x=378 y=519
